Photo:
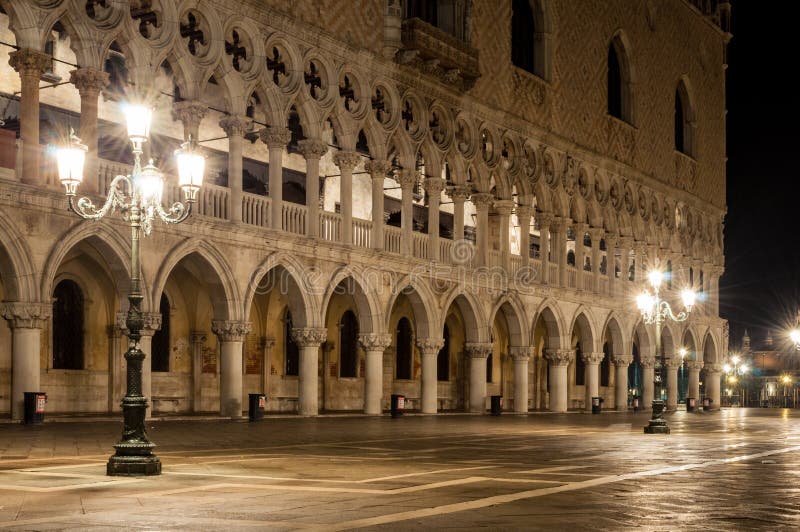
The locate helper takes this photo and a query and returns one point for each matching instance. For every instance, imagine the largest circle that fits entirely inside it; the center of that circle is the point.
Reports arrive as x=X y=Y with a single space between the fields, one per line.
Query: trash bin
x=636 y=404
x=398 y=404
x=706 y=403
x=34 y=407
x=691 y=404
x=256 y=406
x=596 y=402
x=497 y=405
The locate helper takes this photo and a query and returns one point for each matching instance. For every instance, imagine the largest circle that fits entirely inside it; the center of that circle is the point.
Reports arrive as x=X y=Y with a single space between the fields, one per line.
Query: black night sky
x=759 y=289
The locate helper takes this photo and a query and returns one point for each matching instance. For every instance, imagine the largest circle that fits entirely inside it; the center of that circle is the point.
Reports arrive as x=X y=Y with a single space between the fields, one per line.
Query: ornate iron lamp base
x=657 y=425
x=133 y=466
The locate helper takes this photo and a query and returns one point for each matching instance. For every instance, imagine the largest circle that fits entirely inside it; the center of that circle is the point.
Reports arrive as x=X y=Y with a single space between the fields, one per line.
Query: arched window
x=67 y=326
x=684 y=118
x=605 y=366
x=290 y=349
x=159 y=346
x=523 y=27
x=490 y=366
x=348 y=345
x=404 y=343
x=580 y=367
x=443 y=358
x=620 y=97
x=702 y=287
x=679 y=123
x=570 y=258
x=614 y=84
x=691 y=277
x=669 y=275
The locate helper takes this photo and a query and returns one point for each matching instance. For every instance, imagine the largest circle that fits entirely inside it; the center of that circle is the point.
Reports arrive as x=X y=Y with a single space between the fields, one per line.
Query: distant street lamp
x=656 y=311
x=735 y=369
x=794 y=334
x=786 y=380
x=138 y=197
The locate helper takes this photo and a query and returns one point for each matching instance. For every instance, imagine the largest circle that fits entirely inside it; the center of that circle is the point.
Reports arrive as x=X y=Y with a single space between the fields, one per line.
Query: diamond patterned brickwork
x=667 y=39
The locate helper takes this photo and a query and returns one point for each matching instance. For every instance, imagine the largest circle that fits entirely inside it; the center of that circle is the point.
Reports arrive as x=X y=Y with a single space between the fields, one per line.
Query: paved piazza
x=735 y=469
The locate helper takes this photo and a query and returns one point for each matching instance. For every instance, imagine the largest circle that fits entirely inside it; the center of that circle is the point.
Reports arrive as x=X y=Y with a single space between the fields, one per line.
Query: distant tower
x=768 y=340
x=746 y=342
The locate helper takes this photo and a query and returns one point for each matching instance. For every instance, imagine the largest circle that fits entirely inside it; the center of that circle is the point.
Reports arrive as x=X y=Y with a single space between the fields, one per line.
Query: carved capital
x=230 y=330
x=189 y=112
x=29 y=62
x=26 y=315
x=482 y=200
x=275 y=137
x=622 y=361
x=559 y=357
x=694 y=365
x=713 y=368
x=478 y=350
x=433 y=186
x=346 y=160
x=524 y=211
x=267 y=342
x=375 y=342
x=377 y=169
x=592 y=358
x=198 y=337
x=545 y=220
x=673 y=363
x=312 y=148
x=459 y=192
x=597 y=234
x=520 y=354
x=430 y=346
x=407 y=177
x=236 y=125
x=504 y=207
x=648 y=363
x=89 y=81
x=309 y=336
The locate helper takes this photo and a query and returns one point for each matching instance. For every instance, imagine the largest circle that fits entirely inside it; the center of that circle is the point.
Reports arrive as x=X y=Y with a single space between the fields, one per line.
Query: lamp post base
x=657 y=425
x=133 y=466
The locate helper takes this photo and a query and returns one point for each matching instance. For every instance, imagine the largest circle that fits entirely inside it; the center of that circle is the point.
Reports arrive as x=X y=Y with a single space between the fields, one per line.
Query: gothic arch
x=620 y=44
x=513 y=312
x=369 y=314
x=614 y=328
x=642 y=333
x=554 y=321
x=470 y=310
x=710 y=352
x=422 y=303
x=584 y=323
x=16 y=268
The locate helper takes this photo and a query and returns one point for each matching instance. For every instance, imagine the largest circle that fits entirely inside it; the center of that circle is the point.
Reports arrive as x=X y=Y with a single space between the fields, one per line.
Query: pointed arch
x=644 y=338
x=685 y=119
x=16 y=268
x=613 y=327
x=711 y=354
x=621 y=78
x=422 y=303
x=513 y=311
x=471 y=312
x=554 y=321
x=583 y=322
x=690 y=341
x=349 y=281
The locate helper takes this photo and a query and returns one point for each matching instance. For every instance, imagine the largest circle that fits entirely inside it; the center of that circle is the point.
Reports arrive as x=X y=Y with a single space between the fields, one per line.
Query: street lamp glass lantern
x=191 y=166
x=655 y=277
x=645 y=302
x=150 y=183
x=689 y=298
x=794 y=334
x=138 y=118
x=70 y=159
x=726 y=368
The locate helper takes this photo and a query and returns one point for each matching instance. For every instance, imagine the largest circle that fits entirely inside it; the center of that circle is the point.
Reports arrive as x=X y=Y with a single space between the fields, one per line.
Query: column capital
x=544 y=219
x=346 y=160
x=482 y=200
x=524 y=211
x=189 y=112
x=597 y=234
x=612 y=240
x=407 y=177
x=231 y=330
x=312 y=148
x=198 y=337
x=713 y=368
x=477 y=349
x=673 y=362
x=520 y=353
x=580 y=228
x=622 y=361
x=275 y=136
x=236 y=125
x=309 y=336
x=268 y=342
x=433 y=185
x=26 y=315
x=89 y=80
x=648 y=363
x=593 y=358
x=430 y=346
x=30 y=62
x=694 y=365
x=625 y=242
x=459 y=192
x=560 y=224
x=377 y=169
x=559 y=357
x=375 y=342
x=504 y=207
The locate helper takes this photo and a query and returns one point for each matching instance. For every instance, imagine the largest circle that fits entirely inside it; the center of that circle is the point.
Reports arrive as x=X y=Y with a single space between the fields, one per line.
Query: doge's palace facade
x=447 y=200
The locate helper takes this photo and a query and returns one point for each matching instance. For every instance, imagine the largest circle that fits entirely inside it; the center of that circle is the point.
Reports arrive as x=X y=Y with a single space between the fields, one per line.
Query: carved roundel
x=385 y=106
x=282 y=65
x=149 y=20
x=440 y=127
x=643 y=205
x=240 y=51
x=196 y=34
x=465 y=137
x=488 y=145
x=413 y=116
x=615 y=195
x=655 y=209
x=600 y=191
x=352 y=94
x=690 y=222
x=47 y=4
x=530 y=163
x=584 y=184
x=316 y=78
x=669 y=215
x=549 y=168
x=508 y=155
x=630 y=203
x=104 y=14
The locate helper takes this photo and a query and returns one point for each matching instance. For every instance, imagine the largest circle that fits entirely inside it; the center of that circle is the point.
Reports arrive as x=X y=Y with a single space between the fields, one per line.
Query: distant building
x=773 y=377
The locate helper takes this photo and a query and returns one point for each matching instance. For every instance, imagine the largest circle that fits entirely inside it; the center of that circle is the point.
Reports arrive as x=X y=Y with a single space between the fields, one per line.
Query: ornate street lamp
x=734 y=369
x=656 y=311
x=138 y=197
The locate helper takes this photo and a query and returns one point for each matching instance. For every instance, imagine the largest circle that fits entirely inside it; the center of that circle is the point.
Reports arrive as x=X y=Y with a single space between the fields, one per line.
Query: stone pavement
x=738 y=469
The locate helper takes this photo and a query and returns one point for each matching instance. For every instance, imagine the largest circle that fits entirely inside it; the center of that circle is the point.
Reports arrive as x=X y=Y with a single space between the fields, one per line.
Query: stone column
x=477 y=353
x=713 y=376
x=591 y=377
x=648 y=378
x=346 y=161
x=597 y=234
x=433 y=186
x=621 y=363
x=580 y=253
x=374 y=345
x=611 y=262
x=312 y=150
x=638 y=261
x=672 y=365
x=309 y=339
x=545 y=221
x=276 y=138
x=30 y=64
x=407 y=177
x=89 y=82
x=26 y=321
x=267 y=344
x=559 y=249
x=524 y=213
x=191 y=114
x=482 y=201
x=625 y=244
x=429 y=347
x=459 y=194
x=231 y=334
x=694 y=367
x=504 y=208
x=198 y=340
x=521 y=355
x=235 y=128
x=558 y=361
x=377 y=170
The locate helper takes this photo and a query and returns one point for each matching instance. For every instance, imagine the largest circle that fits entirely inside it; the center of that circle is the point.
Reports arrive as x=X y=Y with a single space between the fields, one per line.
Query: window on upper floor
x=620 y=97
x=450 y=16
x=523 y=26
x=684 y=120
